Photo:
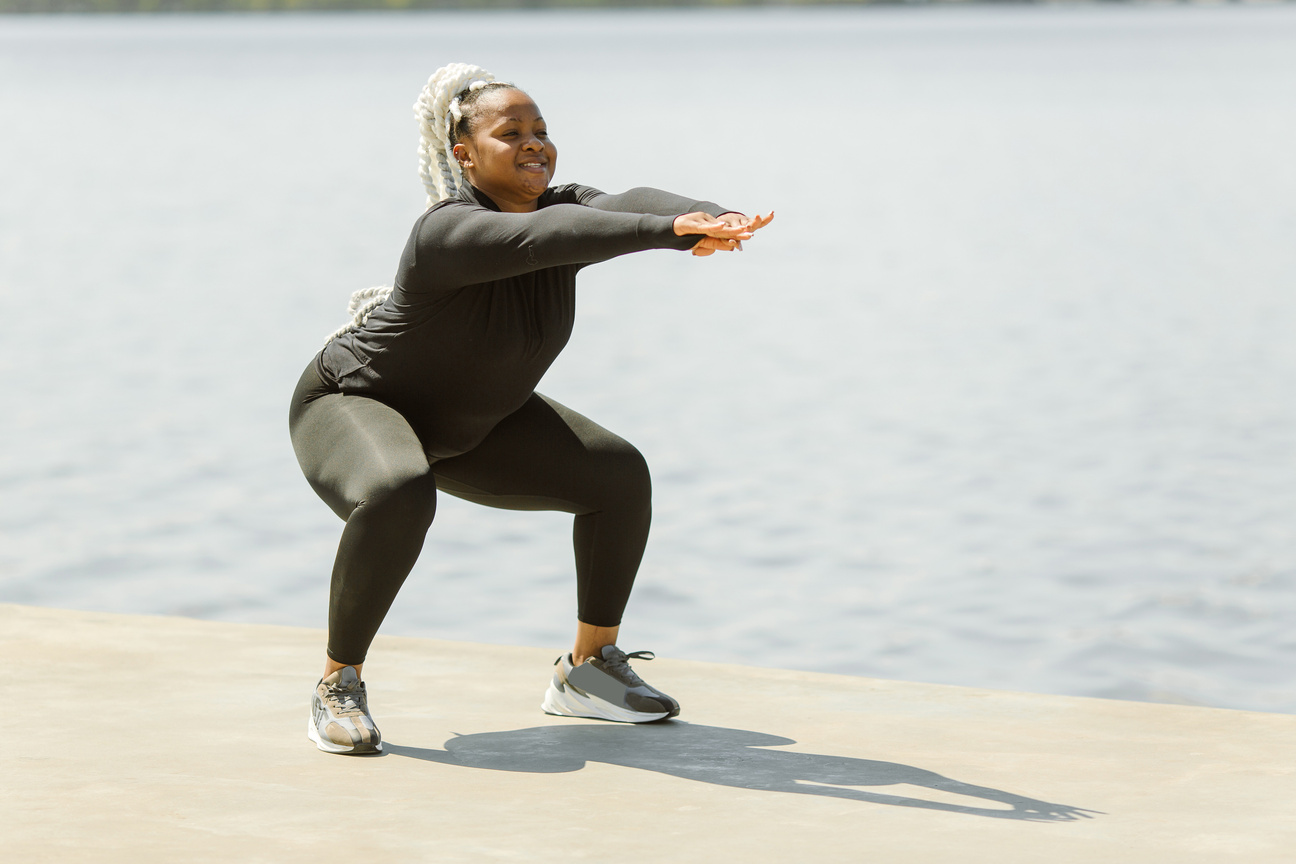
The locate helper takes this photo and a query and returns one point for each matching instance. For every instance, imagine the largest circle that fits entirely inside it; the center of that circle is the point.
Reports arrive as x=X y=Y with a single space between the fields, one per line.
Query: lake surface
x=1003 y=398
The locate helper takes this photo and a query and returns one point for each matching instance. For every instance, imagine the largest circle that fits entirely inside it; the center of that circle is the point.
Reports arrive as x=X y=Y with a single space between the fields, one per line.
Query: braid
x=443 y=120
x=363 y=302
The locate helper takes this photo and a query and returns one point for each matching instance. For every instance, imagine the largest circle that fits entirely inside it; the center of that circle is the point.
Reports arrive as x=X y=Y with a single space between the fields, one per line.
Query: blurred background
x=1003 y=398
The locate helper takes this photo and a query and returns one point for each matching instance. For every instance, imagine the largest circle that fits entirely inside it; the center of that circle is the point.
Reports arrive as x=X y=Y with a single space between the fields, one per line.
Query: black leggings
x=367 y=463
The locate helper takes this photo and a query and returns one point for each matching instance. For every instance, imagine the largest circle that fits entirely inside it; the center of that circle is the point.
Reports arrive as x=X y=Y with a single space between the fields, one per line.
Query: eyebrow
x=519 y=119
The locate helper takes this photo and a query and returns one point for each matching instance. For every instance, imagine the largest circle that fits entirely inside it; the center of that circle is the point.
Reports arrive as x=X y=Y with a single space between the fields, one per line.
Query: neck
x=510 y=207
x=505 y=204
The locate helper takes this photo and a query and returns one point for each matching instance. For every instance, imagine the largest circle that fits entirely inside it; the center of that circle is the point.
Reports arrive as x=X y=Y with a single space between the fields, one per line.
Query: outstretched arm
x=460 y=244
x=643 y=199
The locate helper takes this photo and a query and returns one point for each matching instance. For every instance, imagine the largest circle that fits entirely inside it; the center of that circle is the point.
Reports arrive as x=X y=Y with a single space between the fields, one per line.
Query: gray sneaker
x=606 y=689
x=340 y=721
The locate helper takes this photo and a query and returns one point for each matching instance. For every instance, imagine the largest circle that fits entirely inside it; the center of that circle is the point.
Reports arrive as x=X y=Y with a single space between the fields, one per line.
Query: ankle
x=331 y=666
x=591 y=640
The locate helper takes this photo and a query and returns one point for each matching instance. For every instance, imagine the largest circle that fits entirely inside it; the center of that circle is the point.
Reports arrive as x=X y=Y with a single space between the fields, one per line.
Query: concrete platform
x=147 y=739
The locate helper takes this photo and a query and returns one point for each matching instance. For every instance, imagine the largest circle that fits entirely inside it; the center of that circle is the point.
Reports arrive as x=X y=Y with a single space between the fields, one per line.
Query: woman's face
x=508 y=155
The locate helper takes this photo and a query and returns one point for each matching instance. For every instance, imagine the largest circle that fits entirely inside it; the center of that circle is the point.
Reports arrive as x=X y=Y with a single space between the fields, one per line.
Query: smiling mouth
x=532 y=166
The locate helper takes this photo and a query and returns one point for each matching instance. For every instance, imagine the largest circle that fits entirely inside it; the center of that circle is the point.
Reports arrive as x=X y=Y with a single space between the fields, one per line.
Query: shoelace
x=345 y=703
x=619 y=666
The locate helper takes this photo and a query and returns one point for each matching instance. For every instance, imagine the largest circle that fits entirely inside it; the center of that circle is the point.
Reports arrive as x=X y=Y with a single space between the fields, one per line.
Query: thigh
x=353 y=449
x=545 y=456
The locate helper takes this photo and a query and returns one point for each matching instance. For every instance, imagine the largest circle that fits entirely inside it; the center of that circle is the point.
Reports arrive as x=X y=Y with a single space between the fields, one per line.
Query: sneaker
x=606 y=689
x=340 y=721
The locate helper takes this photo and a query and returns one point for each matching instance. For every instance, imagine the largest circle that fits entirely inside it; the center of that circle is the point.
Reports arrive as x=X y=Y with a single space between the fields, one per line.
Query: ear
x=462 y=155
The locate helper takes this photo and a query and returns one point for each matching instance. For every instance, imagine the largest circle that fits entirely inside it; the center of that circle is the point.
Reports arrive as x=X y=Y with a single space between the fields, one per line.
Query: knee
x=405 y=500
x=631 y=481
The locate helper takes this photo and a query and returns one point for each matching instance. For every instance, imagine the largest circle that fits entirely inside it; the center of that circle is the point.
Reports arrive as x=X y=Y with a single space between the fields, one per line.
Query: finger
x=695 y=223
x=743 y=223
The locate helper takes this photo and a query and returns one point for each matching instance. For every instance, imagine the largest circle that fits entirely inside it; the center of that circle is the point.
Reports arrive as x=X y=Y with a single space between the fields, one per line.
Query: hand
x=723 y=233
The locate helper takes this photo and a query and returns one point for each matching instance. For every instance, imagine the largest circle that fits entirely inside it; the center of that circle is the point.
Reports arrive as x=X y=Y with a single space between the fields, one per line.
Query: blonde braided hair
x=437 y=111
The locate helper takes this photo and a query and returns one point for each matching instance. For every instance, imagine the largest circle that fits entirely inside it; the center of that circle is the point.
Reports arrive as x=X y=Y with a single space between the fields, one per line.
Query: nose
x=533 y=143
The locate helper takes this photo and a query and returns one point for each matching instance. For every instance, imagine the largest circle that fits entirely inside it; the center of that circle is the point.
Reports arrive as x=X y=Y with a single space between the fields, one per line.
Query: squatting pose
x=431 y=386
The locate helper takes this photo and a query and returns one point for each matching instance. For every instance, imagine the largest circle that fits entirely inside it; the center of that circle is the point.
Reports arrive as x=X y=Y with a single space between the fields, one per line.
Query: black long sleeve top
x=484 y=301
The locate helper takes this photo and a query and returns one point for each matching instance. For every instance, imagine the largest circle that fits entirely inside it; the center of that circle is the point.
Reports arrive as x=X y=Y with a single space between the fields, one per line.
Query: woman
x=432 y=386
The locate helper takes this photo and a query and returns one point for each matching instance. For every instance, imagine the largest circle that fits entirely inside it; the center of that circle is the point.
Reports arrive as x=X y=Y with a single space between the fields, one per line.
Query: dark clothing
x=366 y=462
x=484 y=301
x=436 y=391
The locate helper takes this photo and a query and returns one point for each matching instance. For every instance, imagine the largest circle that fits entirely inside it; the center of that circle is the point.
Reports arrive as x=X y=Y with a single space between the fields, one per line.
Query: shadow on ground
x=725 y=757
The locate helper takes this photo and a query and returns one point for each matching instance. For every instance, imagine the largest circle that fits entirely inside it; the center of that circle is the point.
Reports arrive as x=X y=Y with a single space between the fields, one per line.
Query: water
x=1003 y=397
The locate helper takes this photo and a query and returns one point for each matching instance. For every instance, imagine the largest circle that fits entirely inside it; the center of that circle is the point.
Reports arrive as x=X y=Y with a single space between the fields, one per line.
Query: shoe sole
x=569 y=703
x=329 y=747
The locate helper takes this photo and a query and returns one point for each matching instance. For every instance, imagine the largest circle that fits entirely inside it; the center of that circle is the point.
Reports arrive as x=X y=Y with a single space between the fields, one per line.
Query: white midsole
x=569 y=703
x=328 y=746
